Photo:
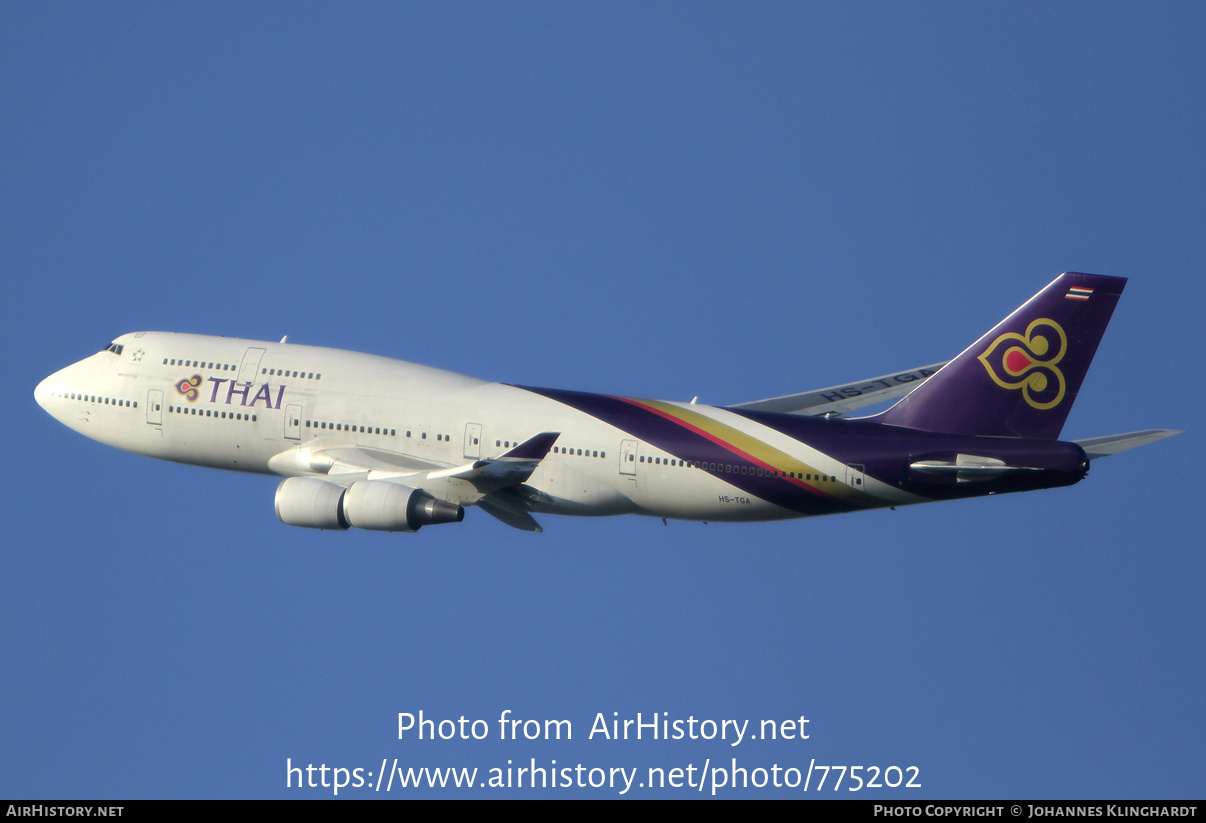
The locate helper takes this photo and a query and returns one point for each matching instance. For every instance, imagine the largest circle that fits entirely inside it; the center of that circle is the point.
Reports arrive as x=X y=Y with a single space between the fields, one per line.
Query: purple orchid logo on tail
x=1023 y=366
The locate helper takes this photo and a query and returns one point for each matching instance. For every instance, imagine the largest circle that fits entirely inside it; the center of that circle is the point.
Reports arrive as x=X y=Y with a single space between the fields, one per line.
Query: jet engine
x=312 y=503
x=392 y=507
x=378 y=505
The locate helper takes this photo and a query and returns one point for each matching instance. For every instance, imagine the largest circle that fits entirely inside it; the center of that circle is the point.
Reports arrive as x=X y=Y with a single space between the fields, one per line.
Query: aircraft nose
x=43 y=391
x=55 y=384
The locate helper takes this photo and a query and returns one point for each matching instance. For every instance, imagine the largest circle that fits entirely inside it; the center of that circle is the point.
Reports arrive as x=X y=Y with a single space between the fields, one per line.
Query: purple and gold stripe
x=698 y=439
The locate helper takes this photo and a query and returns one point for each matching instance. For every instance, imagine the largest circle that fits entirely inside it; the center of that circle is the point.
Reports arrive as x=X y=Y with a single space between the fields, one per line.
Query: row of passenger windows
x=202 y=364
x=347 y=427
x=211 y=413
x=287 y=373
x=728 y=469
x=578 y=452
x=674 y=462
x=92 y=398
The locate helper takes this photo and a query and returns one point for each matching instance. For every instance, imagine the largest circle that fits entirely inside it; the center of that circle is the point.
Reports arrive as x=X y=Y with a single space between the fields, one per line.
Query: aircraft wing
x=1096 y=447
x=838 y=400
x=347 y=460
x=354 y=459
x=486 y=483
x=515 y=465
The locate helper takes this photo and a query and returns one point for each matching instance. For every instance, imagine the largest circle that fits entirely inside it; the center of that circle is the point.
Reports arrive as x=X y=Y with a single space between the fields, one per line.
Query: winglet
x=534 y=448
x=508 y=469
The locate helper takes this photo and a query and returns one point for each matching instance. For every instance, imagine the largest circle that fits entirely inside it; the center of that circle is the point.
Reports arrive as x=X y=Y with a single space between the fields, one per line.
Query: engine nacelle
x=312 y=503
x=383 y=506
x=368 y=504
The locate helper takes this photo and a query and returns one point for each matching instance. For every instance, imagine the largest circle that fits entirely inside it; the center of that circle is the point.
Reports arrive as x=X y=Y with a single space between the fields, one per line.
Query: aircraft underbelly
x=565 y=490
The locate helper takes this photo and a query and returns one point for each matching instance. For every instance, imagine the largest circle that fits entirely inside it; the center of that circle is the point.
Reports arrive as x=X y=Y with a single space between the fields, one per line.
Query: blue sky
x=666 y=201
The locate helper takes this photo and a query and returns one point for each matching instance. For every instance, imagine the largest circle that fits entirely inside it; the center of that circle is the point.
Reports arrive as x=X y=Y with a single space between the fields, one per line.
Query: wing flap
x=509 y=509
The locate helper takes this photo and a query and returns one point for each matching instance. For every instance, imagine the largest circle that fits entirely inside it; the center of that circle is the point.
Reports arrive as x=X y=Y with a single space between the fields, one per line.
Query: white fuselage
x=263 y=407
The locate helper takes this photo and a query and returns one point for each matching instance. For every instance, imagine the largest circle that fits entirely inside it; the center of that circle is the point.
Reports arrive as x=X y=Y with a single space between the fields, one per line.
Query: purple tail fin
x=1021 y=378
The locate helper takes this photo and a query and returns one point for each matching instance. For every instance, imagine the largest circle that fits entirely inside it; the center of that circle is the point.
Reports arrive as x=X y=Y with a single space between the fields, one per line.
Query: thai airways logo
x=188 y=388
x=1030 y=362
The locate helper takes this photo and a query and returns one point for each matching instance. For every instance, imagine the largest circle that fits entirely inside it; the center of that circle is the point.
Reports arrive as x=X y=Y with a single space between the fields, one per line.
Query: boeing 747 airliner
x=376 y=443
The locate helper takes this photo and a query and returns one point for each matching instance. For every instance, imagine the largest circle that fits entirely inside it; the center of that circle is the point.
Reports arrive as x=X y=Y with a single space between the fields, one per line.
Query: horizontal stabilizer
x=847 y=397
x=1096 y=447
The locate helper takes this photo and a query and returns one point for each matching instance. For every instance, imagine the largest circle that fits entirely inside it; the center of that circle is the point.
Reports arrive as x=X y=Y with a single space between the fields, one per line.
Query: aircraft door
x=293 y=415
x=250 y=366
x=855 y=476
x=155 y=407
x=628 y=457
x=473 y=440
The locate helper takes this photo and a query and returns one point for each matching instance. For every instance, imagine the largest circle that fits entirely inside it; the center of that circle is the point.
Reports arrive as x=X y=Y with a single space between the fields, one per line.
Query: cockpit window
x=114 y=347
